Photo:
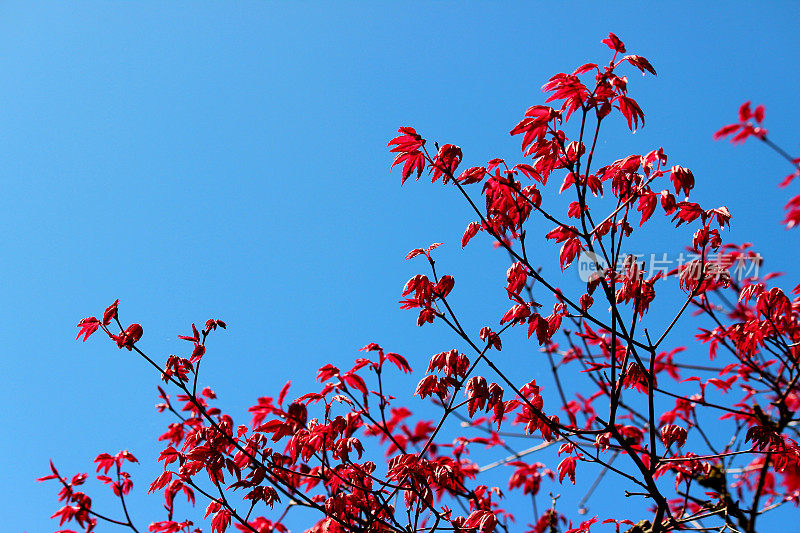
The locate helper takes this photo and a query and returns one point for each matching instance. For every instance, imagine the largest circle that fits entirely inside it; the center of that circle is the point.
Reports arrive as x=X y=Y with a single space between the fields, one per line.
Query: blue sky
x=227 y=159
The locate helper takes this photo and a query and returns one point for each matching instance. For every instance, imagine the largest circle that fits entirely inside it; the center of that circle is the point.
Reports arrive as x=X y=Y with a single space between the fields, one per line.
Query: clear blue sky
x=227 y=159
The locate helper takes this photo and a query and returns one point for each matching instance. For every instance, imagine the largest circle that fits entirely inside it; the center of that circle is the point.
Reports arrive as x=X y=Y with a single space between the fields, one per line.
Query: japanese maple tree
x=704 y=434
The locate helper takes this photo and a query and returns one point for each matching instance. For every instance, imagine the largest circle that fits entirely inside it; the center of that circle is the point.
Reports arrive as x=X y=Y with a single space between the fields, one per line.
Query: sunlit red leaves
x=106 y=461
x=568 y=88
x=562 y=233
x=566 y=468
x=53 y=475
x=430 y=385
x=569 y=251
x=641 y=63
x=277 y=428
x=700 y=276
x=268 y=495
x=745 y=113
x=399 y=361
x=425 y=293
x=423 y=297
x=129 y=337
x=446 y=162
x=744 y=129
x=535 y=126
x=407 y=146
x=516 y=276
x=792 y=218
x=195 y=337
x=508 y=204
x=721 y=214
x=355 y=381
x=682 y=178
x=672 y=434
x=705 y=237
x=518 y=313
x=614 y=42
x=471 y=231
x=173 y=489
x=161 y=481
x=452 y=362
x=764 y=438
x=319 y=429
x=177 y=367
x=690 y=211
x=635 y=376
x=211 y=324
x=482 y=520
x=749 y=291
x=668 y=202
x=539 y=325
x=477 y=392
x=409 y=141
x=727 y=130
x=110 y=313
x=491 y=338
x=631 y=111
x=423 y=251
x=444 y=286
x=584 y=527
x=575 y=210
x=483 y=396
x=547 y=154
x=774 y=304
x=471 y=175
x=687 y=212
x=421 y=286
x=586 y=302
x=91 y=324
x=531 y=173
x=586 y=67
x=168 y=526
x=168 y=455
x=648 y=200
x=87 y=326
x=220 y=521
x=528 y=476
x=65 y=514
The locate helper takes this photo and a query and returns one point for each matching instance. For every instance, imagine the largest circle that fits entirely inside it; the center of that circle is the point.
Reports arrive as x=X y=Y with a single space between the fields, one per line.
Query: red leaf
x=87 y=327
x=221 y=521
x=569 y=251
x=641 y=63
x=472 y=230
x=284 y=390
x=566 y=468
x=631 y=111
x=399 y=361
x=614 y=42
x=110 y=313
